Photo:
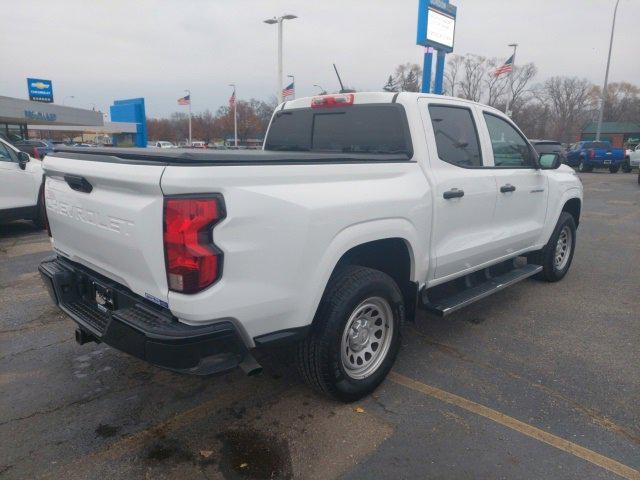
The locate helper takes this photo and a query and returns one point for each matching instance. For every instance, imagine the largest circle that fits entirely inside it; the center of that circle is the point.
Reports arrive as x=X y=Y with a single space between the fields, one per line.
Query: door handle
x=453 y=193
x=78 y=183
x=507 y=188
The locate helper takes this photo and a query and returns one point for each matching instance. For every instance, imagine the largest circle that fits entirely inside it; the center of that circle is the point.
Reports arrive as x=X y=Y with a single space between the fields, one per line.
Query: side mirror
x=549 y=161
x=23 y=159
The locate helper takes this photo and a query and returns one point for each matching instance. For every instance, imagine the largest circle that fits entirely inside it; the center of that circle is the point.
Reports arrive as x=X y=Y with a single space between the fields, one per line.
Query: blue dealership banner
x=40 y=90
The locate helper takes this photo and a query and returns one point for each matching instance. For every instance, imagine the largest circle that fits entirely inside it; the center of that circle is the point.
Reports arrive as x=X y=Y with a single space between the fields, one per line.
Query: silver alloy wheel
x=366 y=338
x=563 y=248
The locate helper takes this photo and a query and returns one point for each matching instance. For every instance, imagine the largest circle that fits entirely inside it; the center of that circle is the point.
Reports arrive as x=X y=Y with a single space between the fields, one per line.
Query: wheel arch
x=388 y=245
x=573 y=206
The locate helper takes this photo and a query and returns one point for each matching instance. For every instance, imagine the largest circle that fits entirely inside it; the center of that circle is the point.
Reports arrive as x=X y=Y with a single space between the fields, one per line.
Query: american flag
x=288 y=91
x=504 y=68
x=186 y=100
x=232 y=99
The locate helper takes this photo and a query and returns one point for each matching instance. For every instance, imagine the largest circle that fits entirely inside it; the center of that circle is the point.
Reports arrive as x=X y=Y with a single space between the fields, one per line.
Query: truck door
x=522 y=192
x=17 y=186
x=462 y=234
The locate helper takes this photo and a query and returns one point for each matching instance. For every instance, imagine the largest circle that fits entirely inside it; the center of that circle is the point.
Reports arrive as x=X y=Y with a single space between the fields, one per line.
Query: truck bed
x=190 y=157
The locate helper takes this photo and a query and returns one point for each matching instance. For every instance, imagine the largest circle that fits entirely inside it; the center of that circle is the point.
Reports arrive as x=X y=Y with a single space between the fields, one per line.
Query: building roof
x=613 y=127
x=18 y=110
x=107 y=128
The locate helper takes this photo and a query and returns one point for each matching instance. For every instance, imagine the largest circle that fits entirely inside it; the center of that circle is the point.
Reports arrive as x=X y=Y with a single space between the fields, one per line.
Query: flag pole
x=235 y=117
x=513 y=68
x=189 y=94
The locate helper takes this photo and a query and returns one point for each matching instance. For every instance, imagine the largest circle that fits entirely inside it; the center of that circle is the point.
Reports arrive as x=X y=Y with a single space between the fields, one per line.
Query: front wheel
x=557 y=254
x=355 y=336
x=582 y=167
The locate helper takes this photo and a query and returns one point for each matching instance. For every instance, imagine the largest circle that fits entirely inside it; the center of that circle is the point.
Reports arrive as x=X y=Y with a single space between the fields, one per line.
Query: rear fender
x=359 y=234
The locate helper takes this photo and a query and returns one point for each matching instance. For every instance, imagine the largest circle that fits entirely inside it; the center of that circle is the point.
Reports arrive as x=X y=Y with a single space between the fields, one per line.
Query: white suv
x=21 y=186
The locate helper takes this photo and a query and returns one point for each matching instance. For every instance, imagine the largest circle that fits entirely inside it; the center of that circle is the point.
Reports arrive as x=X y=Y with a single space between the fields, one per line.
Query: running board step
x=448 y=305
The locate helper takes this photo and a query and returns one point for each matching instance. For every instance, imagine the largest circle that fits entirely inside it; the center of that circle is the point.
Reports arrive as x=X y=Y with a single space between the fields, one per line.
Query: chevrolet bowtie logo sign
x=39 y=85
x=40 y=90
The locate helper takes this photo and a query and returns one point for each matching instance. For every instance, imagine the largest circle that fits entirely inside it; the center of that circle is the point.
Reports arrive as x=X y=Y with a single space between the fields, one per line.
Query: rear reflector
x=192 y=260
x=332 y=101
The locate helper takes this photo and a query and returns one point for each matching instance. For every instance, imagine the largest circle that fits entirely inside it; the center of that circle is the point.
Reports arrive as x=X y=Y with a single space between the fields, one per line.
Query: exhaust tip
x=250 y=366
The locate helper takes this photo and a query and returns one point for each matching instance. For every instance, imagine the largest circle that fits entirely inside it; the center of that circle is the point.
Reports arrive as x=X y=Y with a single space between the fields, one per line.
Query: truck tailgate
x=108 y=217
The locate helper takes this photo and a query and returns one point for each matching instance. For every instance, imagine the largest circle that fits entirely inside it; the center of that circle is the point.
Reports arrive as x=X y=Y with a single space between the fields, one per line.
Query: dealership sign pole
x=436 y=31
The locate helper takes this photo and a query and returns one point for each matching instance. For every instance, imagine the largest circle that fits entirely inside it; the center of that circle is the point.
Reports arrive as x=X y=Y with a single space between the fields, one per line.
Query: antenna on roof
x=342 y=89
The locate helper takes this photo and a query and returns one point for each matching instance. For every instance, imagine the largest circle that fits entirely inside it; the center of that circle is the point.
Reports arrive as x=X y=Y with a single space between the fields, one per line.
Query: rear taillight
x=36 y=154
x=330 y=101
x=192 y=260
x=592 y=153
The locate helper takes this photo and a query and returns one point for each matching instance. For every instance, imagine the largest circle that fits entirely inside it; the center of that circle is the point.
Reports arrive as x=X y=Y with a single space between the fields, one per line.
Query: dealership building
x=128 y=127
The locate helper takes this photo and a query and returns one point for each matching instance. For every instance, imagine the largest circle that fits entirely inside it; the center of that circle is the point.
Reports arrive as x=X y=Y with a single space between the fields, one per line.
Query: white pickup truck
x=360 y=208
x=21 y=186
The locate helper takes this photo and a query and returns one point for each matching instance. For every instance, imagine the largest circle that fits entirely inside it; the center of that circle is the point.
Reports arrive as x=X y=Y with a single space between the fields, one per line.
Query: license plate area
x=607 y=162
x=104 y=297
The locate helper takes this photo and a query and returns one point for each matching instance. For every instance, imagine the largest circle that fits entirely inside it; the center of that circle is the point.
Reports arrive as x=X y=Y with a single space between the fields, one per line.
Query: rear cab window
x=359 y=129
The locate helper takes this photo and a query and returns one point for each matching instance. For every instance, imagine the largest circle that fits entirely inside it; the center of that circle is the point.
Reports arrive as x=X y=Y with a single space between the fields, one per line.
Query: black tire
x=638 y=178
x=626 y=166
x=319 y=358
x=40 y=218
x=583 y=168
x=546 y=257
x=614 y=168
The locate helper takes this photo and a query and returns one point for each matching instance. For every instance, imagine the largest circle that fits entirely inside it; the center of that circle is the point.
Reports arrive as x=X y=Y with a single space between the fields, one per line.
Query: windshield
x=372 y=128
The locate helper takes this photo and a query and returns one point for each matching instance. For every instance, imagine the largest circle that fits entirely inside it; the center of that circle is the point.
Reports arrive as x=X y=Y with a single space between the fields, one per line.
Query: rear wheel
x=626 y=166
x=557 y=254
x=614 y=168
x=356 y=334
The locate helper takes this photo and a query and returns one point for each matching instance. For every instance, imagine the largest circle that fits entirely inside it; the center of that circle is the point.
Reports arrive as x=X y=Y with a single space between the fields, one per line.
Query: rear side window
x=456 y=135
x=370 y=128
x=510 y=149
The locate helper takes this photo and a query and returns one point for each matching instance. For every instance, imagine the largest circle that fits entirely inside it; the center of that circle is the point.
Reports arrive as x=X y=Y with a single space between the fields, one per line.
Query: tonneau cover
x=179 y=156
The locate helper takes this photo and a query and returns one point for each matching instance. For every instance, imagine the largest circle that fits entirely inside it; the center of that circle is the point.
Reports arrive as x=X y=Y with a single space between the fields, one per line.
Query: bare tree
x=622 y=102
x=451 y=74
x=570 y=102
x=495 y=85
x=520 y=85
x=473 y=74
x=407 y=77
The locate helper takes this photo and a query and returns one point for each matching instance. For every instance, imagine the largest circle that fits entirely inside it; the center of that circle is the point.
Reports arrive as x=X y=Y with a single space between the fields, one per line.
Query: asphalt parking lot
x=538 y=381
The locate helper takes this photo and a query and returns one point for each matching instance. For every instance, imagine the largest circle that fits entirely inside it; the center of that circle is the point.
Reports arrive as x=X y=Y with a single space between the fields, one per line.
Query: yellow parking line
x=524 y=428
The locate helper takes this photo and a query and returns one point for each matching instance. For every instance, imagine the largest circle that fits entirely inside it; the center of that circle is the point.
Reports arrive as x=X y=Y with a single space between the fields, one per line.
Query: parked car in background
x=21 y=186
x=632 y=159
x=360 y=206
x=550 y=146
x=35 y=148
x=585 y=156
x=198 y=144
x=163 y=144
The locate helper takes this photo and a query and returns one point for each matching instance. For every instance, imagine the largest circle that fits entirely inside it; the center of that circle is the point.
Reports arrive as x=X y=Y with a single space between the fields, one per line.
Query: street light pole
x=279 y=20
x=606 y=75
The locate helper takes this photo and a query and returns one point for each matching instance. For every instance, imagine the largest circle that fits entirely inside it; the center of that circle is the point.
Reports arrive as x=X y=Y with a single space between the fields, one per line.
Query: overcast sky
x=101 y=51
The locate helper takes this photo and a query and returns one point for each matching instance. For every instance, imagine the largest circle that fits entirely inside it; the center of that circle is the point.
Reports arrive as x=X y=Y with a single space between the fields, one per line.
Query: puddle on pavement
x=169 y=450
x=253 y=454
